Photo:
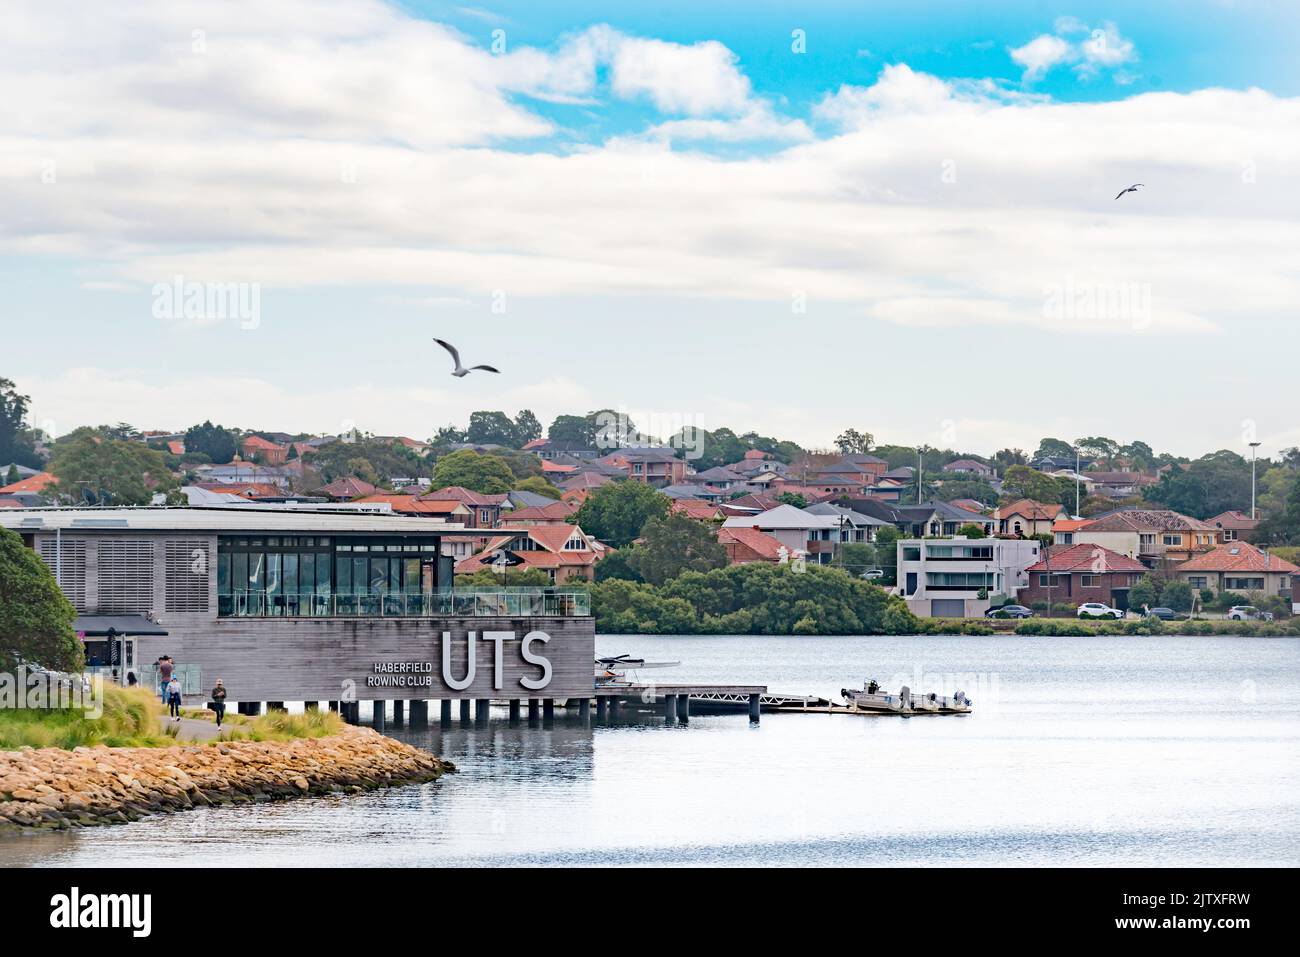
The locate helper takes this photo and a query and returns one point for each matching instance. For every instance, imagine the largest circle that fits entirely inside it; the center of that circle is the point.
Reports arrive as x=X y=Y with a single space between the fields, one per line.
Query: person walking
x=219 y=700
x=174 y=699
x=165 y=669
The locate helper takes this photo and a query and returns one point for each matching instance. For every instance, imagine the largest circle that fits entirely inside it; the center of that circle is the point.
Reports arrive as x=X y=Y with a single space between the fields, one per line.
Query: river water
x=1093 y=751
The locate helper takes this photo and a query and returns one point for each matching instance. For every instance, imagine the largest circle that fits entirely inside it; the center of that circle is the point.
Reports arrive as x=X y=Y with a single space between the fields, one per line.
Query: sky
x=787 y=218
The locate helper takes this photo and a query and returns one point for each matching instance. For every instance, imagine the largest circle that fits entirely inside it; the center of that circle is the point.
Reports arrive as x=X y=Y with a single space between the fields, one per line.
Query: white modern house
x=944 y=577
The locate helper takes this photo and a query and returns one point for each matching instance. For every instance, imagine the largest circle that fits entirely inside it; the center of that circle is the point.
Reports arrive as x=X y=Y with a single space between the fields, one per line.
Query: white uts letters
x=536 y=684
x=468 y=680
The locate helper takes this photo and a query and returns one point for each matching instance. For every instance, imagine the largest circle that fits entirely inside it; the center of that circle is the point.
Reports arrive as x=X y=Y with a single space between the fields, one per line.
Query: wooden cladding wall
x=187 y=573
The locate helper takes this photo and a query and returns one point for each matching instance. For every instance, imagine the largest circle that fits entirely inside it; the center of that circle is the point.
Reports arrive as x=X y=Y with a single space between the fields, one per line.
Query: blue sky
x=665 y=208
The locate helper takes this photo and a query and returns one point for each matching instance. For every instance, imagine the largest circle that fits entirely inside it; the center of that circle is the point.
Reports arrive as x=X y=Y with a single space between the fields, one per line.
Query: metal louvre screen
x=126 y=583
x=188 y=574
x=71 y=570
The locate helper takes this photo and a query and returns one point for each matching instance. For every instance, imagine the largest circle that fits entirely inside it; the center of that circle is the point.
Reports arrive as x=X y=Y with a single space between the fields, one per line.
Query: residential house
x=946 y=577
x=970 y=467
x=1149 y=535
x=1240 y=567
x=699 y=492
x=698 y=510
x=34 y=484
x=1052 y=463
x=553 y=513
x=799 y=530
x=1074 y=574
x=406 y=504
x=249 y=491
x=931 y=519
x=1064 y=529
x=587 y=479
x=1117 y=484
x=234 y=473
x=1026 y=518
x=854 y=527
x=564 y=552
x=547 y=449
x=485 y=509
x=263 y=451
x=654 y=465
x=746 y=545
x=1235 y=526
x=347 y=489
x=722 y=478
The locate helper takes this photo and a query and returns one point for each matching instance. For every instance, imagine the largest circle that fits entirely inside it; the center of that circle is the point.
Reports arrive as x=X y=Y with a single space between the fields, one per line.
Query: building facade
x=956 y=577
x=289 y=604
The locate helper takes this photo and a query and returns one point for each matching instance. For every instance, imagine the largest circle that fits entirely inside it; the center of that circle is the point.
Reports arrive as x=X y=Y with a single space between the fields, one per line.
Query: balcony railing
x=464 y=603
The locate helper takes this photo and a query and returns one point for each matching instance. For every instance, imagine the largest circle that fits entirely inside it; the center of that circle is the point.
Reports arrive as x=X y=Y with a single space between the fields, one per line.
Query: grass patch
x=130 y=720
x=282 y=726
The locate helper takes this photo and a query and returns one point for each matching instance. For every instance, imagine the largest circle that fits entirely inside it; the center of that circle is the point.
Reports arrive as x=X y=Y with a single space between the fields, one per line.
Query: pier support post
x=482 y=709
x=399 y=714
x=311 y=706
x=334 y=706
x=584 y=708
x=464 y=710
x=514 y=710
x=419 y=714
x=275 y=706
x=353 y=709
x=377 y=716
x=444 y=711
x=753 y=708
x=670 y=707
x=534 y=710
x=683 y=708
x=548 y=709
x=613 y=708
x=602 y=708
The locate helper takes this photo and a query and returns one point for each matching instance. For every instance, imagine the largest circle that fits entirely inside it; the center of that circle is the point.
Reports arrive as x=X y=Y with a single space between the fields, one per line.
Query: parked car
x=1163 y=613
x=1096 y=609
x=1010 y=611
x=1248 y=613
x=872 y=574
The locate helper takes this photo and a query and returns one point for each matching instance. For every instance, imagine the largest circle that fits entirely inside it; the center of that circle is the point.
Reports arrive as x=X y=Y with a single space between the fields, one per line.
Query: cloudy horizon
x=791 y=225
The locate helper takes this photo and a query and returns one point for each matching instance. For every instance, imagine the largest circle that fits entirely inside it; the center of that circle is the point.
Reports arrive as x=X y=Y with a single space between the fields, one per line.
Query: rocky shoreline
x=52 y=788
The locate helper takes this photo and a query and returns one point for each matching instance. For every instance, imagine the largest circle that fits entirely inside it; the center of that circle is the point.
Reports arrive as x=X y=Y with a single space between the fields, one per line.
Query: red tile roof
x=1148 y=520
x=348 y=488
x=760 y=543
x=257 y=442
x=1070 y=524
x=1034 y=511
x=543 y=513
x=413 y=505
x=696 y=509
x=1088 y=559
x=1234 y=520
x=33 y=483
x=1237 y=557
x=462 y=494
x=552 y=554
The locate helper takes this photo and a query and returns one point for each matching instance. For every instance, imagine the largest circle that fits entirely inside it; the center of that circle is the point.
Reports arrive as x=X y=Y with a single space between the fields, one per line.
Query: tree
x=1100 y=448
x=887 y=537
x=527 y=428
x=851 y=441
x=1005 y=458
x=12 y=475
x=978 y=489
x=217 y=443
x=793 y=498
x=1212 y=484
x=538 y=486
x=1021 y=481
x=486 y=474
x=616 y=512
x=675 y=544
x=16 y=443
x=35 y=618
x=1146 y=593
x=522 y=465
x=385 y=459
x=491 y=428
x=617 y=564
x=1139 y=455
x=1177 y=595
x=91 y=467
x=972 y=530
x=573 y=428
x=1055 y=448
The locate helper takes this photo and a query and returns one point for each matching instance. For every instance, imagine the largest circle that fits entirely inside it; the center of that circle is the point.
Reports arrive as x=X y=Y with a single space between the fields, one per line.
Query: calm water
x=1096 y=751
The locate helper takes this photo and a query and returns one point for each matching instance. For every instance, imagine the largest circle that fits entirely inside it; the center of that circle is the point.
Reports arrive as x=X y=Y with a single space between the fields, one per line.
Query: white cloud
x=1041 y=54
x=1106 y=48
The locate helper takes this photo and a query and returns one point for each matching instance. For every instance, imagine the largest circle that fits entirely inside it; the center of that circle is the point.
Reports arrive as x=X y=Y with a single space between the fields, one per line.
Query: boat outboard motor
x=905 y=696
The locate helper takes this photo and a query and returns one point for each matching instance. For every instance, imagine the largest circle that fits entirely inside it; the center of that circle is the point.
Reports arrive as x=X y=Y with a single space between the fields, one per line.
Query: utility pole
x=1076 y=480
x=920 y=472
x=1253 y=447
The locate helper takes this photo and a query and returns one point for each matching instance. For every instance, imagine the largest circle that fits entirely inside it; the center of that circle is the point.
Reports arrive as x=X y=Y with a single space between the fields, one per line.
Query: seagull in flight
x=460 y=371
x=1131 y=189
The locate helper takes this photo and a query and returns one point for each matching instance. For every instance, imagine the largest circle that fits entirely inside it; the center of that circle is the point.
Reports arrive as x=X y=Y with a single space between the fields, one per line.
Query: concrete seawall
x=54 y=788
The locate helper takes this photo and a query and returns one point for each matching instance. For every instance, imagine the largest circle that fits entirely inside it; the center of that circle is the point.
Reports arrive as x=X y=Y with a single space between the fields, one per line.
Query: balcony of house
x=464 y=603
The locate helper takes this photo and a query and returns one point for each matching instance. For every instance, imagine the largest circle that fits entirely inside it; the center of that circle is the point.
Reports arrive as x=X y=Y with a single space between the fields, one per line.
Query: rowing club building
x=294 y=604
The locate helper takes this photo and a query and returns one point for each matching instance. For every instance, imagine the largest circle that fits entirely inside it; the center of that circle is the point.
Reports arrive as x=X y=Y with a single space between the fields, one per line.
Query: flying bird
x=1131 y=189
x=460 y=371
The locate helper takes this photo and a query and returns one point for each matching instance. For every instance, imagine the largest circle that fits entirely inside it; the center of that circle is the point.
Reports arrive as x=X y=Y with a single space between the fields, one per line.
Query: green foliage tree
x=579 y=429
x=527 y=427
x=1177 y=595
x=1146 y=593
x=851 y=441
x=385 y=460
x=487 y=474
x=616 y=512
x=35 y=618
x=90 y=466
x=887 y=537
x=16 y=443
x=793 y=498
x=978 y=489
x=511 y=578
x=491 y=428
x=538 y=486
x=217 y=443
x=522 y=465
x=675 y=544
x=1212 y=484
x=12 y=475
x=1020 y=481
x=971 y=530
x=617 y=564
x=1053 y=447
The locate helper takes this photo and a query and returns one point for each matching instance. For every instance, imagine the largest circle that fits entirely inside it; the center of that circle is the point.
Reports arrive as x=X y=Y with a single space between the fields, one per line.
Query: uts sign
x=493 y=661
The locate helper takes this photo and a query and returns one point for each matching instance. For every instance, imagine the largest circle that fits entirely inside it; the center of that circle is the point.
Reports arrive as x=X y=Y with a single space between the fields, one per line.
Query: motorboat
x=875 y=698
x=611 y=672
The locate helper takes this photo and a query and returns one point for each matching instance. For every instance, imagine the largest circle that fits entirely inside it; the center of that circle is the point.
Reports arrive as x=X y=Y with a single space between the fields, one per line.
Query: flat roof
x=246 y=519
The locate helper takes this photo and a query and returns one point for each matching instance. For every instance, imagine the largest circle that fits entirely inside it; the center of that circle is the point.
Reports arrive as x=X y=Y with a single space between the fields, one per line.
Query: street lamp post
x=1253 y=447
x=1076 y=480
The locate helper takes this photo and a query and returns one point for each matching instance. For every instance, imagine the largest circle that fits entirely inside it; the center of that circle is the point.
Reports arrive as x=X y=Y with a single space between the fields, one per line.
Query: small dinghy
x=874 y=698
